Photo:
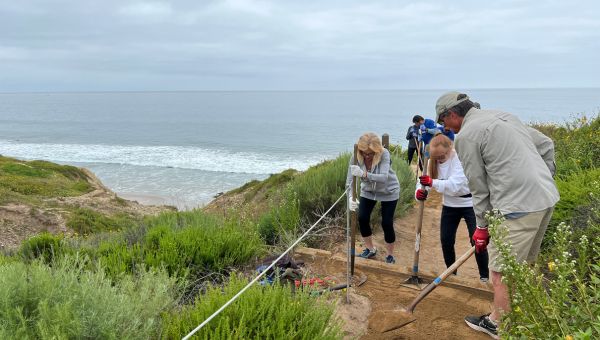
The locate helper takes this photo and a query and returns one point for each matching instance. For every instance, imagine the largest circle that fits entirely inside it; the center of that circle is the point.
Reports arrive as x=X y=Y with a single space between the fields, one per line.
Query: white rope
x=262 y=273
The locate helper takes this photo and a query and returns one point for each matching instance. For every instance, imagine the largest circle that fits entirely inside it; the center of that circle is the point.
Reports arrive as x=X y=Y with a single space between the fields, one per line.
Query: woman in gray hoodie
x=378 y=182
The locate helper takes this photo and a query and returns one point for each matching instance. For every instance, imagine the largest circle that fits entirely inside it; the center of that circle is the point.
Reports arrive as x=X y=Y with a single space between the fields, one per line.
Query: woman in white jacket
x=448 y=178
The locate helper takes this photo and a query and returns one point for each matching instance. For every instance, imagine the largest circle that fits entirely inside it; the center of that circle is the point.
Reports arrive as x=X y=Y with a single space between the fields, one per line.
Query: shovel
x=393 y=319
x=414 y=281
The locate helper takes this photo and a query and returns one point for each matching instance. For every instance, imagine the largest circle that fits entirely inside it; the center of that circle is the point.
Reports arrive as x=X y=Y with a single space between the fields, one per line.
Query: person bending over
x=509 y=167
x=447 y=177
x=378 y=182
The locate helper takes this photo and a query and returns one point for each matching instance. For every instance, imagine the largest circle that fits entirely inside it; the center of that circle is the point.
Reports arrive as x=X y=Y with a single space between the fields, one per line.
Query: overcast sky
x=119 y=45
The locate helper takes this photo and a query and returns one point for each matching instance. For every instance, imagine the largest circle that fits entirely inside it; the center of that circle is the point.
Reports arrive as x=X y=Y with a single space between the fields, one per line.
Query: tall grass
x=70 y=300
x=270 y=312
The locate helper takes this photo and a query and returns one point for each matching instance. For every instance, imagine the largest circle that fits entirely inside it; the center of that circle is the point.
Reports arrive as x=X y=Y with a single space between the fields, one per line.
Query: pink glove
x=481 y=238
x=421 y=194
x=426 y=181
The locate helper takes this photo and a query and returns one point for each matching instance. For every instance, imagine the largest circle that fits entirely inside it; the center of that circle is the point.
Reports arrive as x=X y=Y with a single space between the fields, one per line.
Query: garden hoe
x=393 y=319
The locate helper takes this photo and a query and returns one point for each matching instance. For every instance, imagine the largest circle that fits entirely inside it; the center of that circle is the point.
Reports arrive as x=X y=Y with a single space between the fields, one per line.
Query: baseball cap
x=447 y=101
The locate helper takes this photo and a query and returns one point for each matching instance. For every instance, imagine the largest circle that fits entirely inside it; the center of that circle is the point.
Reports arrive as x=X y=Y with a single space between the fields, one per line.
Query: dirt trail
x=440 y=315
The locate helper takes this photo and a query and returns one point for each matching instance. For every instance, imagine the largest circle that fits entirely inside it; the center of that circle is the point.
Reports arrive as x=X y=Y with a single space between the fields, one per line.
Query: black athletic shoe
x=483 y=324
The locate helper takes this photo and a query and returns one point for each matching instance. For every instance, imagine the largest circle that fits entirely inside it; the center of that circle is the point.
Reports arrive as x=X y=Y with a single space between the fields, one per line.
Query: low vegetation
x=85 y=221
x=71 y=300
x=31 y=181
x=269 y=312
x=558 y=297
x=159 y=277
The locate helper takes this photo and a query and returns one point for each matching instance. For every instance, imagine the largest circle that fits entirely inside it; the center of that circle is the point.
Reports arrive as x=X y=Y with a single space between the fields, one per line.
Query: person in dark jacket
x=412 y=136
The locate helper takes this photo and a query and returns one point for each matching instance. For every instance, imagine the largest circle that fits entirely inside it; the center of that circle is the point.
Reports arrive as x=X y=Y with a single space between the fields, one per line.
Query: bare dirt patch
x=21 y=221
x=440 y=315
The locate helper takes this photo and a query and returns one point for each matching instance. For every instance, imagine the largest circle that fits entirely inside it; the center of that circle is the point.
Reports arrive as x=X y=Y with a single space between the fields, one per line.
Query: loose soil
x=440 y=315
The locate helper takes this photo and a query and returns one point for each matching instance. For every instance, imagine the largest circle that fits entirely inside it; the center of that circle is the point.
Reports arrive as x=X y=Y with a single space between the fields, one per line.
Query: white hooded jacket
x=452 y=183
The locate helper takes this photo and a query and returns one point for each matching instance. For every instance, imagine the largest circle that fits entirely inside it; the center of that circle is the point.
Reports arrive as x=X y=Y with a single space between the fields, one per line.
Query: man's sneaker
x=367 y=253
x=483 y=324
x=390 y=259
x=484 y=279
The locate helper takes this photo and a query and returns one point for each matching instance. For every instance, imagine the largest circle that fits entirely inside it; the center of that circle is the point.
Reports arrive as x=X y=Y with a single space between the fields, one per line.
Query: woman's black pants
x=365 y=209
x=449 y=225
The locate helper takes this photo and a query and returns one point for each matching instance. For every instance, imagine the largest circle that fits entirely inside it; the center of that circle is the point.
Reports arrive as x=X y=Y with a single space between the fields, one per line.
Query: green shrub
x=283 y=218
x=270 y=185
x=44 y=246
x=85 y=221
x=70 y=300
x=560 y=301
x=579 y=193
x=270 y=312
x=318 y=187
x=576 y=144
x=182 y=242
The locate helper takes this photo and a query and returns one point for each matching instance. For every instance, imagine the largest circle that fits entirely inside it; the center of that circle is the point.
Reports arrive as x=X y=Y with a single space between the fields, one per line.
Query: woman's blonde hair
x=370 y=141
x=439 y=145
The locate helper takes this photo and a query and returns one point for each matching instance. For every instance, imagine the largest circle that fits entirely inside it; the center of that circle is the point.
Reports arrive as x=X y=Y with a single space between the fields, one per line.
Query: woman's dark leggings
x=365 y=209
x=450 y=219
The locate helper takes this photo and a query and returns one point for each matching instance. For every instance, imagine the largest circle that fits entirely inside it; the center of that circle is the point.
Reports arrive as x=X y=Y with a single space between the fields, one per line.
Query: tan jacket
x=502 y=159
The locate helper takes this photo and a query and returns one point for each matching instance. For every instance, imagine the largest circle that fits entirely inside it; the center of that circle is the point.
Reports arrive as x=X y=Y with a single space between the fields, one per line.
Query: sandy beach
x=147 y=199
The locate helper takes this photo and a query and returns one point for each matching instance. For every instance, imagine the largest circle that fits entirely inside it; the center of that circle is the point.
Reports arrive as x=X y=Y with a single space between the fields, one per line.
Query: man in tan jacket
x=509 y=167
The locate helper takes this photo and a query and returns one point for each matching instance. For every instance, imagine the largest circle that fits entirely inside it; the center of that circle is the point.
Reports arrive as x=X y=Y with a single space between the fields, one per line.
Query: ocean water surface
x=182 y=148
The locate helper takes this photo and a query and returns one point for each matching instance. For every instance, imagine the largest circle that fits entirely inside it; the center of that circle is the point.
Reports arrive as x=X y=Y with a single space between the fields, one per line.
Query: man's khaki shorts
x=525 y=234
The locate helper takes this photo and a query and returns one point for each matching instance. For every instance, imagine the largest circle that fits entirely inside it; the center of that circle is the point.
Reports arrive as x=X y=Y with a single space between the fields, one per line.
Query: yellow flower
x=551 y=266
x=568 y=337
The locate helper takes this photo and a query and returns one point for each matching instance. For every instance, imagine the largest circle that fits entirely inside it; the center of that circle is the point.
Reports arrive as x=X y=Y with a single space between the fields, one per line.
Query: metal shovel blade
x=414 y=282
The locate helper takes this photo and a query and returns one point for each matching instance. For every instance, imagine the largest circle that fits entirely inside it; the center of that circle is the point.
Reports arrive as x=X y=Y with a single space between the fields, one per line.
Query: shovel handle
x=354 y=217
x=415 y=267
x=438 y=280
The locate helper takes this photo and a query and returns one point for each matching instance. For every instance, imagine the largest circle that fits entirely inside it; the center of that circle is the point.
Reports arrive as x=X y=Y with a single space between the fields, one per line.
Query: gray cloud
x=246 y=44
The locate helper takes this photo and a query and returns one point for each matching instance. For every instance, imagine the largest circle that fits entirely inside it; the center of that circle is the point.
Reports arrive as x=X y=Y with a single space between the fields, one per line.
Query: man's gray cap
x=447 y=101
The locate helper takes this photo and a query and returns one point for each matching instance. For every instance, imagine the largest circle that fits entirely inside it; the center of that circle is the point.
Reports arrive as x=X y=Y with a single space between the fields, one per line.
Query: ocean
x=183 y=148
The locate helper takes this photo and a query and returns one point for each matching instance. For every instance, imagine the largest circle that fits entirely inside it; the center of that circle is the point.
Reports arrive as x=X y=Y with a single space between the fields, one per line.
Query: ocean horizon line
x=300 y=90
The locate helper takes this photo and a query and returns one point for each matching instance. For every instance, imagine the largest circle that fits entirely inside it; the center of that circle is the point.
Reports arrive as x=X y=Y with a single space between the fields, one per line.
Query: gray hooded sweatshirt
x=381 y=183
x=508 y=165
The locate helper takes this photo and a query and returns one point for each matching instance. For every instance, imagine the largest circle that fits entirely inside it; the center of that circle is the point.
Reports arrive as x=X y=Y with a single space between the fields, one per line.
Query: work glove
x=352 y=204
x=433 y=131
x=426 y=180
x=481 y=238
x=421 y=194
x=356 y=171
